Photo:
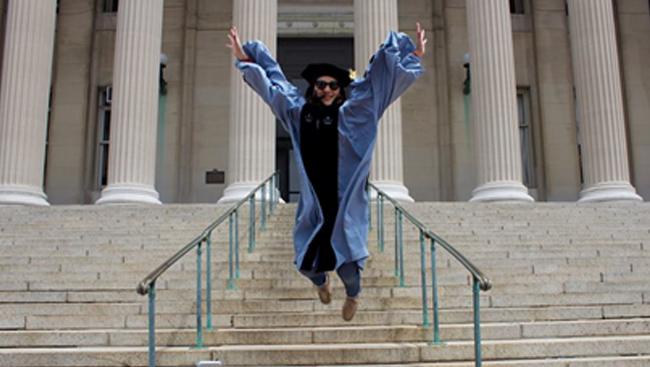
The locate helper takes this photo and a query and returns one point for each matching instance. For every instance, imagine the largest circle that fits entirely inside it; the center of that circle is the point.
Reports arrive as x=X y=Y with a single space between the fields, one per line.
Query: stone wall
x=439 y=162
x=634 y=47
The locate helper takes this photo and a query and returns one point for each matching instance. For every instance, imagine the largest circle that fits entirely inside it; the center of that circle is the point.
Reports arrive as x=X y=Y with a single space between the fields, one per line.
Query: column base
x=501 y=192
x=396 y=190
x=22 y=196
x=237 y=191
x=125 y=195
x=611 y=191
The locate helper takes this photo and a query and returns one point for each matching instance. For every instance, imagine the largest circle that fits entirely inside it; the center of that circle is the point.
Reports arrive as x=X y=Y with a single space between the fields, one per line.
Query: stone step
x=618 y=361
x=413 y=316
x=495 y=255
x=173 y=240
x=382 y=353
x=376 y=268
x=448 y=284
x=312 y=314
x=102 y=357
x=567 y=283
x=327 y=335
x=612 y=275
x=420 y=352
x=577 y=237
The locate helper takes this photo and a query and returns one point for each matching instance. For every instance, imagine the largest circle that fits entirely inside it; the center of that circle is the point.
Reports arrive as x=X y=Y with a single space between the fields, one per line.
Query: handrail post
x=148 y=284
x=231 y=280
x=263 y=215
x=381 y=242
x=477 y=323
x=378 y=219
x=434 y=290
x=425 y=307
x=401 y=252
x=237 y=244
x=272 y=196
x=199 y=323
x=251 y=229
x=369 y=208
x=208 y=280
x=152 y=325
x=276 y=191
x=396 y=243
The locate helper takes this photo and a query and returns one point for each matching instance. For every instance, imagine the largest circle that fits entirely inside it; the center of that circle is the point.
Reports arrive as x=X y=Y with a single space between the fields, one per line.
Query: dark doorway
x=293 y=55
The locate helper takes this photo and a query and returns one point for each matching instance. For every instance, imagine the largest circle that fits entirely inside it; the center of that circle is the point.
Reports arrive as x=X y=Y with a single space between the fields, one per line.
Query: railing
x=480 y=281
x=148 y=284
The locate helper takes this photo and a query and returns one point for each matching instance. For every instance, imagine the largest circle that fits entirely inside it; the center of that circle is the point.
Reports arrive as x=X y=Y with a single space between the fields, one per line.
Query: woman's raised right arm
x=264 y=75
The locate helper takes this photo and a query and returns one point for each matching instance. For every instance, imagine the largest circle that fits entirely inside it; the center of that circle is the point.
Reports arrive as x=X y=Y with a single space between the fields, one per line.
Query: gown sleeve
x=392 y=70
x=266 y=78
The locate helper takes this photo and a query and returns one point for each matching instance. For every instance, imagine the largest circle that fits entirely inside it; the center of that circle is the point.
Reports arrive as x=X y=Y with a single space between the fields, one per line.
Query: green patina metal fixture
x=480 y=281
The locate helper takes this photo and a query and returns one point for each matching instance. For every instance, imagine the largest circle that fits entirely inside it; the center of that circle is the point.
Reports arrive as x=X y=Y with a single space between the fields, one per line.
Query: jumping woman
x=333 y=139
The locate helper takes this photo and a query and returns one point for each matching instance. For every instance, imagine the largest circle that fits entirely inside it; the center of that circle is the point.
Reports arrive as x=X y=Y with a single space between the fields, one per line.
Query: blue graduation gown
x=392 y=70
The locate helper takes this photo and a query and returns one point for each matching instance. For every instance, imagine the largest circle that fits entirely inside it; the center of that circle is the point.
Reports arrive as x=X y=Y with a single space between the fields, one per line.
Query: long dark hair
x=310 y=96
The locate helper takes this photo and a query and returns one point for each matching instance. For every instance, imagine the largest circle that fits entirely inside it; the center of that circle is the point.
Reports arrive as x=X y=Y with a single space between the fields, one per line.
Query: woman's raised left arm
x=393 y=68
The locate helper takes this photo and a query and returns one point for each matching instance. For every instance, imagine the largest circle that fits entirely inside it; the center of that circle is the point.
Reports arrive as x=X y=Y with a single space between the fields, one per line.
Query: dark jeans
x=349 y=273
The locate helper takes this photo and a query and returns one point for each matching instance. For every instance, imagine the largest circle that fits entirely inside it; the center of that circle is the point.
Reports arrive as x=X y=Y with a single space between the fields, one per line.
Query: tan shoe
x=324 y=292
x=349 y=308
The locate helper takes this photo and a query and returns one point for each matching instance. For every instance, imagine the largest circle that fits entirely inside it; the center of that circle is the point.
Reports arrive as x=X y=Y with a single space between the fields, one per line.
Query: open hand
x=420 y=42
x=235 y=45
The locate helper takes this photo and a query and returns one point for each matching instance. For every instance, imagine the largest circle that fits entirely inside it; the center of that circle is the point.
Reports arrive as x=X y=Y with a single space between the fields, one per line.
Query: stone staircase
x=570 y=289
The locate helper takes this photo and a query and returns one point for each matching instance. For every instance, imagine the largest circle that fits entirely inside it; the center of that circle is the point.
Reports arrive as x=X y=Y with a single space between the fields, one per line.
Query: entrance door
x=294 y=54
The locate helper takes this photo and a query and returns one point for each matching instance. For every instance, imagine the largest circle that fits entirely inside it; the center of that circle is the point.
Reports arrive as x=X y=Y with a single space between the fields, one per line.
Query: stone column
x=26 y=76
x=132 y=152
x=600 y=102
x=373 y=19
x=494 y=103
x=252 y=124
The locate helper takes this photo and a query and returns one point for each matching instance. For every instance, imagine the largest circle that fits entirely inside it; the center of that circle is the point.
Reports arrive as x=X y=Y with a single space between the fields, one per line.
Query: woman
x=333 y=139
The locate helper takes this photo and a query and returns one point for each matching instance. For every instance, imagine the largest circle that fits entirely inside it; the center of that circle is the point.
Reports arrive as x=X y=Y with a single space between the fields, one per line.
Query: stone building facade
x=551 y=103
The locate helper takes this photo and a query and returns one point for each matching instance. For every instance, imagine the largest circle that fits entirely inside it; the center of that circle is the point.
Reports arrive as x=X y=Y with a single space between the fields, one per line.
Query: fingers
x=234 y=33
x=232 y=42
x=234 y=45
x=421 y=32
x=421 y=39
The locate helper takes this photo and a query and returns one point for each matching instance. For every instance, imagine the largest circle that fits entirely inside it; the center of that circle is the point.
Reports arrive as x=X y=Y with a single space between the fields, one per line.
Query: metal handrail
x=484 y=282
x=481 y=281
x=148 y=284
x=145 y=284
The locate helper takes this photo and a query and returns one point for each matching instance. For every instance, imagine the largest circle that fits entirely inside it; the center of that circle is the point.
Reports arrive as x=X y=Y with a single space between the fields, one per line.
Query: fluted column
x=132 y=152
x=373 y=19
x=494 y=103
x=252 y=124
x=600 y=102
x=26 y=76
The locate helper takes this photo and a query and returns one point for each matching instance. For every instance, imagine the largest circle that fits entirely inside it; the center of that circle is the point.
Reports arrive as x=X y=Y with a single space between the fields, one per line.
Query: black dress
x=319 y=144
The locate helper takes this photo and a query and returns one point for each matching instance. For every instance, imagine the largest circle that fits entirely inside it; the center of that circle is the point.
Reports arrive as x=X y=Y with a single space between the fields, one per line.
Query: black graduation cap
x=315 y=71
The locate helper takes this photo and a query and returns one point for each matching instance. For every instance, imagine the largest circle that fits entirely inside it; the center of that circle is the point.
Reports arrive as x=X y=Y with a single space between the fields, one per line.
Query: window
x=110 y=6
x=103 y=135
x=517 y=7
x=526 y=140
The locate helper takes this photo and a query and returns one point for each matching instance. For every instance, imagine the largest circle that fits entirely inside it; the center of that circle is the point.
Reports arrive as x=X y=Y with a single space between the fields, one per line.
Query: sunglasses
x=321 y=84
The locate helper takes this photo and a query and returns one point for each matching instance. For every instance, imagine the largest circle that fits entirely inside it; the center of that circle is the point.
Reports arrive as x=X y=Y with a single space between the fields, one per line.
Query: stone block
x=12 y=322
x=55 y=322
x=49 y=338
x=101 y=357
x=586 y=328
x=327 y=354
